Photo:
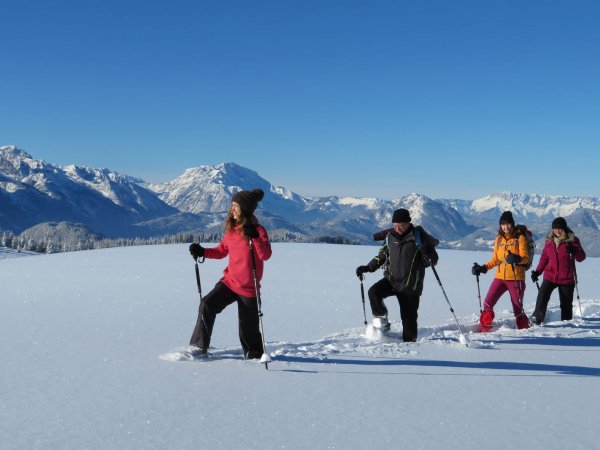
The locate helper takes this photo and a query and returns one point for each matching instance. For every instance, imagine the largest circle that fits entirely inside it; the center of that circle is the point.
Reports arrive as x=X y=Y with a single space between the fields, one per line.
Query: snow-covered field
x=6 y=252
x=82 y=337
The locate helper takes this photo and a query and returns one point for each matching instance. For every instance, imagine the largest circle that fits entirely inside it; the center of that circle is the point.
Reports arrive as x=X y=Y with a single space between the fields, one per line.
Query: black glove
x=431 y=260
x=570 y=249
x=196 y=250
x=251 y=231
x=362 y=269
x=478 y=270
x=534 y=276
x=511 y=258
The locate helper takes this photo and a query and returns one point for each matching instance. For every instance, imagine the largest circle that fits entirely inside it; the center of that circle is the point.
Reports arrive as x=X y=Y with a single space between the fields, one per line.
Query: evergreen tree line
x=53 y=245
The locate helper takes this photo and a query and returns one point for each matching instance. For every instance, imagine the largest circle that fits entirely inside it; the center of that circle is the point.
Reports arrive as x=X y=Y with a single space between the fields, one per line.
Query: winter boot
x=522 y=322
x=382 y=323
x=485 y=321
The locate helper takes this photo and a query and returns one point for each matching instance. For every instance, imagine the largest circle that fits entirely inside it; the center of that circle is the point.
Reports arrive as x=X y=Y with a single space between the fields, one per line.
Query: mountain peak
x=7 y=151
x=209 y=188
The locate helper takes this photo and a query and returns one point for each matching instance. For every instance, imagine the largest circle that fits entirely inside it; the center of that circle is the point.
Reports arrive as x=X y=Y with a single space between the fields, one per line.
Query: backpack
x=522 y=229
x=419 y=244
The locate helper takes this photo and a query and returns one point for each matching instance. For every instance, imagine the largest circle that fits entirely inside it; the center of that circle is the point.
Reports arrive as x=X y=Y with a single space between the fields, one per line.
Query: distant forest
x=58 y=244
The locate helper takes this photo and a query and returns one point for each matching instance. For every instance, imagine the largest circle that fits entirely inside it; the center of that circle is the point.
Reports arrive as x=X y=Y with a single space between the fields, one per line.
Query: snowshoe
x=199 y=352
x=250 y=354
x=534 y=320
x=382 y=323
x=377 y=328
x=523 y=322
x=187 y=353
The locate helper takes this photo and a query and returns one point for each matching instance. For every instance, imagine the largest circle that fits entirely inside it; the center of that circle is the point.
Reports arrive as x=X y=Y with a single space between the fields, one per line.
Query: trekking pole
x=362 y=294
x=463 y=338
x=479 y=293
x=520 y=296
x=200 y=291
x=198 y=277
x=265 y=357
x=576 y=286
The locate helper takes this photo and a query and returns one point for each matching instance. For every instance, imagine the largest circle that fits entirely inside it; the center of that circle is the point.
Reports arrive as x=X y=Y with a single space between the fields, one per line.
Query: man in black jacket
x=405 y=254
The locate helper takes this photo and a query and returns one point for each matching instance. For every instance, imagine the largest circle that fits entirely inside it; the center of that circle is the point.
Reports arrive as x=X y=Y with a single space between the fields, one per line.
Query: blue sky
x=450 y=99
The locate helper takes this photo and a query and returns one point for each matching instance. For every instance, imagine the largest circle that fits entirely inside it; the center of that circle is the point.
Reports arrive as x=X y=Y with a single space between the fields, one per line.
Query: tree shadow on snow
x=548 y=369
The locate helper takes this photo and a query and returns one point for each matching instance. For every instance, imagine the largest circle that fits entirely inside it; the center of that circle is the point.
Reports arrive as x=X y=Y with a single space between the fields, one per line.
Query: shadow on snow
x=550 y=369
x=553 y=341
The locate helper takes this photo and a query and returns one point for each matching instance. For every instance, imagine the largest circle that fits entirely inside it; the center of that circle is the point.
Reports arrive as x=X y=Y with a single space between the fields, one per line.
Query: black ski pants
x=565 y=295
x=248 y=321
x=409 y=307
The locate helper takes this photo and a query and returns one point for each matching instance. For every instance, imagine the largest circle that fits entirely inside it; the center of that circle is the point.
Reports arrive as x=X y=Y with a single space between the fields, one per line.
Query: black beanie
x=401 y=216
x=507 y=217
x=248 y=200
x=561 y=223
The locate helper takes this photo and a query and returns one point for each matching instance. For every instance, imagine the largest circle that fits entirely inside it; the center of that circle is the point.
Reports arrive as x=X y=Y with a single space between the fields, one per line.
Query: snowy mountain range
x=114 y=205
x=529 y=207
x=34 y=191
x=208 y=189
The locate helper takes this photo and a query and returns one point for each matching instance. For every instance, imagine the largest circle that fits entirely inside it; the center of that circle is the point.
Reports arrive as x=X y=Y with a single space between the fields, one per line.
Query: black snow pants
x=248 y=321
x=565 y=295
x=409 y=307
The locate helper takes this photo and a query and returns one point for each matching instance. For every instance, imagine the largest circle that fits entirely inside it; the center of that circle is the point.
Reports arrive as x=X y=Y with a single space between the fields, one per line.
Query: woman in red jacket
x=557 y=263
x=237 y=284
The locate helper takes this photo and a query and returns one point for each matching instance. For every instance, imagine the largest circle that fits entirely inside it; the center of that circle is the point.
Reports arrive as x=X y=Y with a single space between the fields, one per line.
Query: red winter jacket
x=556 y=263
x=237 y=276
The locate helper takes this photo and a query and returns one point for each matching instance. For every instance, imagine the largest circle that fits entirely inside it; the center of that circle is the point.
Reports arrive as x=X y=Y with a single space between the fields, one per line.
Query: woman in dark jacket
x=557 y=263
x=404 y=255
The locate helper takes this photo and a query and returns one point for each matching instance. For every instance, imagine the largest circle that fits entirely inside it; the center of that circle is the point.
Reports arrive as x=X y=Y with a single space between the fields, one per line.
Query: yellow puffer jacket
x=514 y=243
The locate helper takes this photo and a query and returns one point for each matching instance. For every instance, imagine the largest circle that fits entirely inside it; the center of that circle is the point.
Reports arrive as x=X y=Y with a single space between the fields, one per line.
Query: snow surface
x=6 y=252
x=82 y=337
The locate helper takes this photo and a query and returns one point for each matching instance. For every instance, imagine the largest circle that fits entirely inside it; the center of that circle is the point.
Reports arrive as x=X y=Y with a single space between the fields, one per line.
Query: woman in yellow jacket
x=510 y=251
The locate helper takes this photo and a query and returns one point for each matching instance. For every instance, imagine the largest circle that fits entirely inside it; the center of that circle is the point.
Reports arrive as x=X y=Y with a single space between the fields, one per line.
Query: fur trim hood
x=570 y=236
